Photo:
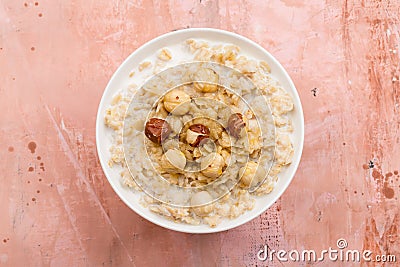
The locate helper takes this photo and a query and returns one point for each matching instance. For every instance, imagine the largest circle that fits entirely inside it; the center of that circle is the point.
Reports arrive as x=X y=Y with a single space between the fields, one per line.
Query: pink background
x=56 y=57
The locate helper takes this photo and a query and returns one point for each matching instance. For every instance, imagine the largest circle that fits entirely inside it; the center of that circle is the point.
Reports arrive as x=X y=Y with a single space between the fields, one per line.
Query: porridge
x=202 y=137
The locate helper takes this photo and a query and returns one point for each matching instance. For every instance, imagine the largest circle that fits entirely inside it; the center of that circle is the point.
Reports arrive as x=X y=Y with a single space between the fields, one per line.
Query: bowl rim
x=297 y=101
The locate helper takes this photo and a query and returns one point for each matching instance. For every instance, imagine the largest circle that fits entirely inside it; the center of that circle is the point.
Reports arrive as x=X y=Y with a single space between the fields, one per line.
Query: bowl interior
x=120 y=80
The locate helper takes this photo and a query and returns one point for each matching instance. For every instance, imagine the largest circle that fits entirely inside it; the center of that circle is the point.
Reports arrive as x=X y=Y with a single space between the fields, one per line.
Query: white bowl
x=120 y=79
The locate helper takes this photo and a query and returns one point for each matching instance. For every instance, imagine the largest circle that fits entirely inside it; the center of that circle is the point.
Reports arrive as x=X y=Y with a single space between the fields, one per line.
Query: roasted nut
x=196 y=133
x=177 y=102
x=206 y=80
x=201 y=202
x=173 y=160
x=212 y=165
x=157 y=130
x=251 y=174
x=236 y=123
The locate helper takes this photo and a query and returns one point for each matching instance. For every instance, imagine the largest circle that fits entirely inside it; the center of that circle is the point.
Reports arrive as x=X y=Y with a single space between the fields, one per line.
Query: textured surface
x=56 y=57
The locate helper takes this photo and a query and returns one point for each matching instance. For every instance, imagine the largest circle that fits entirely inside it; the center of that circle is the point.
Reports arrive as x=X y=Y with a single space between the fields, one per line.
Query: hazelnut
x=201 y=202
x=173 y=160
x=157 y=130
x=177 y=102
x=235 y=124
x=212 y=165
x=251 y=174
x=206 y=80
x=196 y=133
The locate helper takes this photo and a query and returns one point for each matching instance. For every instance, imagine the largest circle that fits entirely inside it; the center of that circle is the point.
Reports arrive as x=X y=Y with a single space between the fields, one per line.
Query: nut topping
x=173 y=160
x=196 y=133
x=177 y=102
x=251 y=174
x=212 y=165
x=235 y=124
x=157 y=130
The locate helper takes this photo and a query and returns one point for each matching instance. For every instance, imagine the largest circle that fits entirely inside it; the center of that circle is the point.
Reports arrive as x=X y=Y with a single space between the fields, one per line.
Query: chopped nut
x=173 y=160
x=212 y=165
x=157 y=130
x=215 y=128
x=177 y=102
x=236 y=123
x=197 y=133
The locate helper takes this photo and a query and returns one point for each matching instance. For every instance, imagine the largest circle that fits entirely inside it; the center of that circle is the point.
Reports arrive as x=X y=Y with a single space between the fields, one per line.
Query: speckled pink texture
x=56 y=57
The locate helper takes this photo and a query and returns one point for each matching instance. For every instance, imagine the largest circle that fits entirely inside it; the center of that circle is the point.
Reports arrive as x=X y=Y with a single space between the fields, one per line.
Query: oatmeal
x=201 y=139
